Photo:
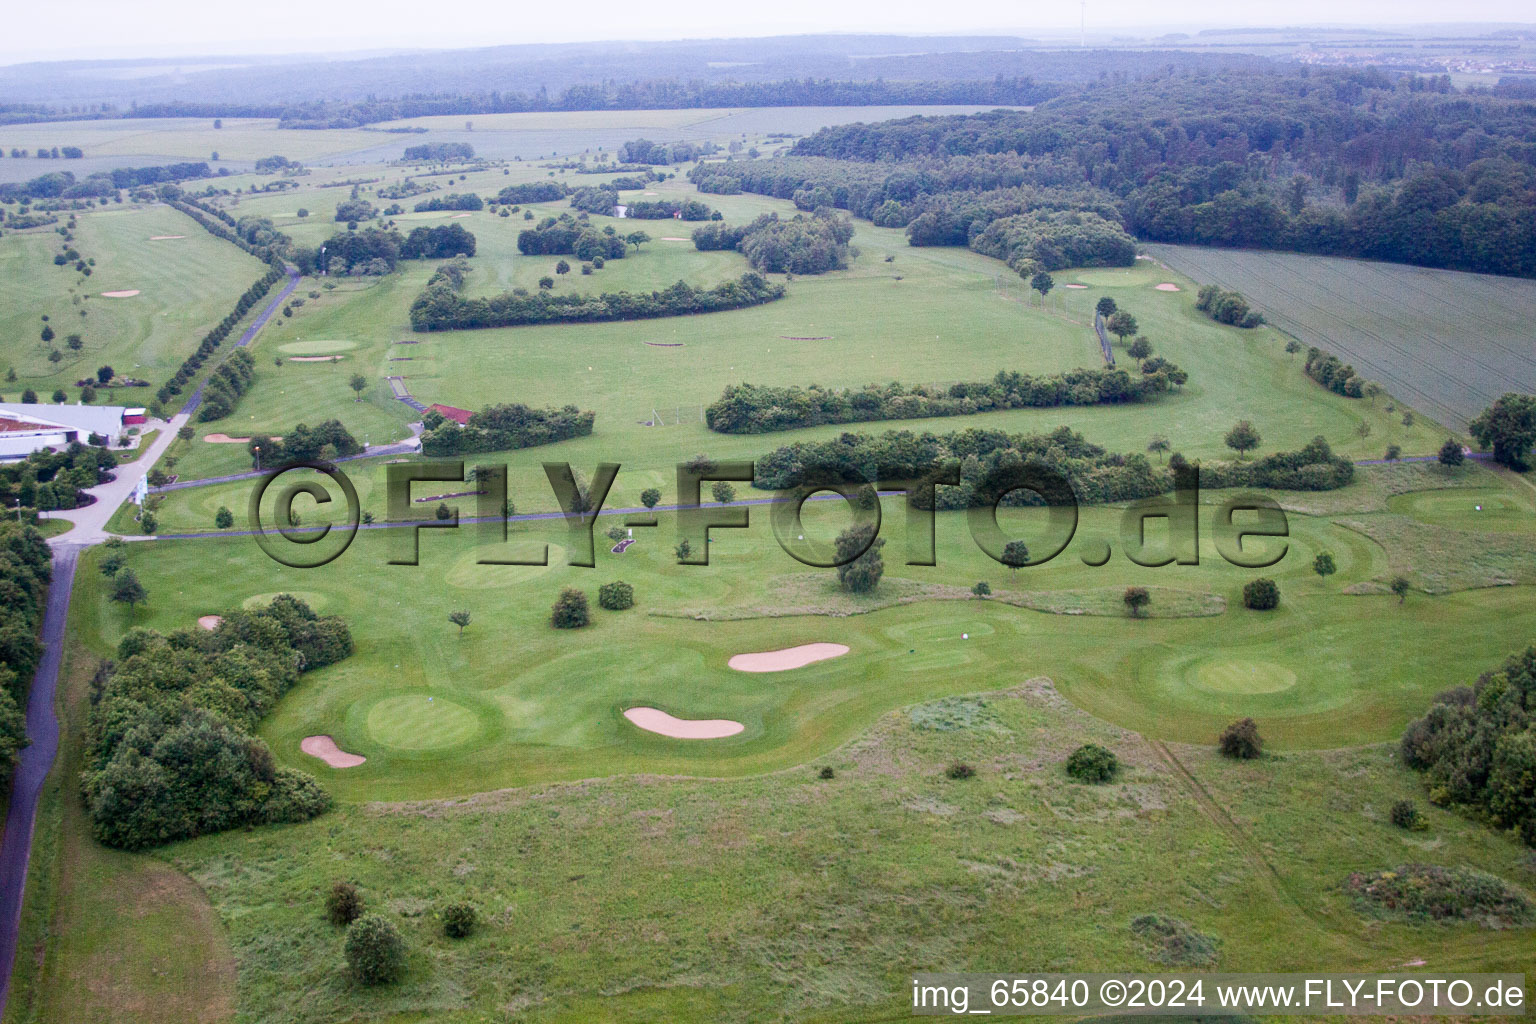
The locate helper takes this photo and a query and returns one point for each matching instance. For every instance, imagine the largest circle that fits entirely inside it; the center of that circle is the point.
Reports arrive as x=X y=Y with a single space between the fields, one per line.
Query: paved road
x=196 y=397
x=410 y=446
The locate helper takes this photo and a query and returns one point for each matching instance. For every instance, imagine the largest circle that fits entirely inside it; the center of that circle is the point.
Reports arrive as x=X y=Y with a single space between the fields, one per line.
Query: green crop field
x=1445 y=342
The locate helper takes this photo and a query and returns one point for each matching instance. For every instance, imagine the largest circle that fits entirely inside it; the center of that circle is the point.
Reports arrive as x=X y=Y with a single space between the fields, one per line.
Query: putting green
x=422 y=721
x=1235 y=675
x=1144 y=272
x=318 y=347
x=468 y=574
x=1476 y=509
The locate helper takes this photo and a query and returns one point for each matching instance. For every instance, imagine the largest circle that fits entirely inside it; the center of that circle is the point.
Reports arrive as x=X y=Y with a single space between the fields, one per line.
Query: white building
x=26 y=428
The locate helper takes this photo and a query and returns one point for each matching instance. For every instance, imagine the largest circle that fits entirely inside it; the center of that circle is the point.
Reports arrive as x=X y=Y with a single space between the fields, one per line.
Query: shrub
x=343 y=904
x=1450 y=453
x=616 y=596
x=1406 y=815
x=1241 y=740
x=1136 y=600
x=1262 y=594
x=375 y=951
x=862 y=574
x=570 y=610
x=459 y=919
x=960 y=770
x=1422 y=891
x=1092 y=763
x=224 y=518
x=826 y=772
x=1174 y=942
x=982 y=589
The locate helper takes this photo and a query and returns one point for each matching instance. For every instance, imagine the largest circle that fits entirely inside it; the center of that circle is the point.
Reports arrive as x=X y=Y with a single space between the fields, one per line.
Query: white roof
x=106 y=420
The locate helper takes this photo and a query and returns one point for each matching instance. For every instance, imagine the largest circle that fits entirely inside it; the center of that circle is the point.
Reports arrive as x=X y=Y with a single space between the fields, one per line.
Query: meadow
x=1446 y=342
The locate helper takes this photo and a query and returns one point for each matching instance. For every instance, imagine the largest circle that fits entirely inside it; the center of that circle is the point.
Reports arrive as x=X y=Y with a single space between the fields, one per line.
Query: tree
x=637 y=239
x=723 y=492
x=861 y=574
x=1451 y=454
x=1324 y=565
x=1394 y=452
x=29 y=397
x=358 y=384
x=104 y=374
x=570 y=610
x=460 y=619
x=1140 y=349
x=375 y=952
x=223 y=518
x=59 y=397
x=1262 y=594
x=650 y=497
x=47 y=334
x=982 y=589
x=1092 y=763
x=149 y=524
x=1121 y=324
x=1106 y=307
x=1136 y=600
x=443 y=512
x=1400 y=586
x=1509 y=428
x=459 y=920
x=683 y=550
x=1015 y=556
x=562 y=268
x=1242 y=438
x=126 y=589
x=112 y=563
x=186 y=433
x=1159 y=446
x=546 y=282
x=1241 y=740
x=616 y=596
x=1043 y=284
x=343 y=904
x=1363 y=429
x=74 y=343
x=1292 y=347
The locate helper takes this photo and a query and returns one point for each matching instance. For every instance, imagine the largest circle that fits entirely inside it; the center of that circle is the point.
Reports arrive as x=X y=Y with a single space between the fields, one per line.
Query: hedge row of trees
x=48 y=480
x=800 y=245
x=661 y=209
x=1333 y=373
x=328 y=440
x=214 y=338
x=452 y=201
x=759 y=409
x=440 y=152
x=503 y=427
x=440 y=307
x=64 y=185
x=1226 y=307
x=644 y=151
x=25 y=569
x=1097 y=476
x=567 y=235
x=1477 y=747
x=170 y=751
x=531 y=192
x=225 y=386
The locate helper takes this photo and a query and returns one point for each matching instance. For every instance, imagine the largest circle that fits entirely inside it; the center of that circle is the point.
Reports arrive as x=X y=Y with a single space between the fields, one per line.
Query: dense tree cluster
x=800 y=245
x=275 y=164
x=1477 y=746
x=1508 y=427
x=214 y=338
x=226 y=384
x=661 y=209
x=1054 y=240
x=439 y=153
x=644 y=151
x=170 y=751
x=444 y=241
x=531 y=192
x=758 y=409
x=64 y=184
x=351 y=211
x=441 y=306
x=25 y=569
x=569 y=236
x=595 y=199
x=1333 y=373
x=499 y=428
x=1226 y=307
x=371 y=252
x=328 y=440
x=49 y=480
x=452 y=201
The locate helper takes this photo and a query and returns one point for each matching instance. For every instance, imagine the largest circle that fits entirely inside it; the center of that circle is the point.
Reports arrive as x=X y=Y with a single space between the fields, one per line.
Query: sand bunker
x=210 y=621
x=127 y=294
x=1074 y=286
x=658 y=721
x=226 y=439
x=788 y=658
x=674 y=238
x=1168 y=287
x=164 y=238
x=326 y=750
x=458 y=215
x=315 y=359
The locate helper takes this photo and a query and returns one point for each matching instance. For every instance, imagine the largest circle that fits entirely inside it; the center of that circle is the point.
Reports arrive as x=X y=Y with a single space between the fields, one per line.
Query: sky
x=160 y=28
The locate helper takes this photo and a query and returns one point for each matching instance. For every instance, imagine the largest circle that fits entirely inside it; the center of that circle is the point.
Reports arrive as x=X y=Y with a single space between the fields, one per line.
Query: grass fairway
x=186 y=286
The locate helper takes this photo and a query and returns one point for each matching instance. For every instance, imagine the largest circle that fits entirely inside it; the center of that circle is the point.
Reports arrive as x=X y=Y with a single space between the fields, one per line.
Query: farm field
x=1446 y=342
x=185 y=284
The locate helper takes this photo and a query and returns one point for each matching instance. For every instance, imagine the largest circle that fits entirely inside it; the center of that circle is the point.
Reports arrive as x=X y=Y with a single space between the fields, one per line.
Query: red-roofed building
x=459 y=416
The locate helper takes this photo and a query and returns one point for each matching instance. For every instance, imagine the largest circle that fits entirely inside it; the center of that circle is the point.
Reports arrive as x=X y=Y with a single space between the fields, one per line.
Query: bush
x=1421 y=891
x=1241 y=740
x=375 y=951
x=1092 y=763
x=960 y=770
x=1136 y=600
x=1406 y=815
x=459 y=919
x=1174 y=942
x=982 y=589
x=616 y=596
x=570 y=610
x=826 y=772
x=1262 y=595
x=343 y=904
x=862 y=574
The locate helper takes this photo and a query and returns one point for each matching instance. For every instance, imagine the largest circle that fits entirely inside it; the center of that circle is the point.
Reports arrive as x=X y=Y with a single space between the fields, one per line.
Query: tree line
x=503 y=427
x=214 y=338
x=452 y=201
x=1226 y=307
x=567 y=235
x=64 y=184
x=170 y=748
x=798 y=245
x=25 y=570
x=328 y=440
x=439 y=152
x=759 y=409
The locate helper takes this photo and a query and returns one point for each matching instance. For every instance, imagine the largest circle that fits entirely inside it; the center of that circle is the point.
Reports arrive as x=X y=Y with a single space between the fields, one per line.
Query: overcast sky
x=143 y=28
